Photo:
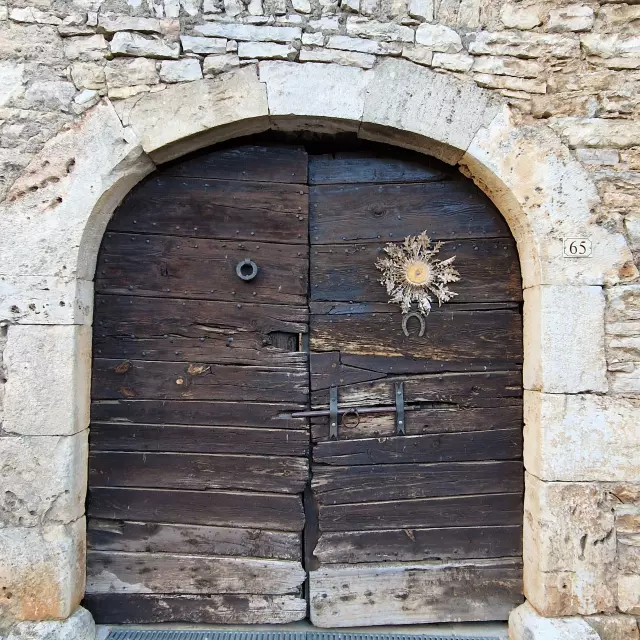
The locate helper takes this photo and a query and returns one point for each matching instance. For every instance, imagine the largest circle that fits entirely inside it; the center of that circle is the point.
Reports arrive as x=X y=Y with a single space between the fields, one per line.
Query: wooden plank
x=428 y=420
x=114 y=379
x=198 y=471
x=195 y=412
x=282 y=512
x=343 y=485
x=105 y=436
x=381 y=594
x=450 y=336
x=255 y=162
x=136 y=608
x=461 y=511
x=122 y=535
x=496 y=444
x=410 y=545
x=224 y=209
x=165 y=266
x=375 y=212
x=489 y=272
x=123 y=572
x=353 y=167
x=327 y=370
x=142 y=328
x=463 y=389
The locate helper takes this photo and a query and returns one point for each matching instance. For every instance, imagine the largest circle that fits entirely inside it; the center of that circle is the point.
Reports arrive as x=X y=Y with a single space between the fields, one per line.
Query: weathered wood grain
x=196 y=412
x=225 y=209
x=105 y=436
x=415 y=593
x=343 y=485
x=327 y=370
x=489 y=272
x=378 y=213
x=496 y=444
x=409 y=545
x=124 y=572
x=114 y=379
x=281 y=512
x=254 y=162
x=353 y=167
x=135 y=608
x=151 y=537
x=460 y=511
x=450 y=336
x=171 y=329
x=165 y=266
x=198 y=471
x=427 y=420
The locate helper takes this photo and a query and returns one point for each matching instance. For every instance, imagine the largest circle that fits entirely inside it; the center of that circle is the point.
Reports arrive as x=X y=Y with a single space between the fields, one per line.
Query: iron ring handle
x=240 y=269
x=350 y=419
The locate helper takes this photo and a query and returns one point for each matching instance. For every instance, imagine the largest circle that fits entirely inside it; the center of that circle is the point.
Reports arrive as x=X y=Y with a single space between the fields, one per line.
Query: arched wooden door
x=209 y=500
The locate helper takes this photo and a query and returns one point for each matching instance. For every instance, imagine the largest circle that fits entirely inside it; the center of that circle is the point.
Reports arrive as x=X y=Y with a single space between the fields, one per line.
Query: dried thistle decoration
x=411 y=274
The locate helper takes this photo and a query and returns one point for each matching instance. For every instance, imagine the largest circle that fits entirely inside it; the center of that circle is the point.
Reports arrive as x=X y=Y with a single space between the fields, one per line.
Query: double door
x=236 y=289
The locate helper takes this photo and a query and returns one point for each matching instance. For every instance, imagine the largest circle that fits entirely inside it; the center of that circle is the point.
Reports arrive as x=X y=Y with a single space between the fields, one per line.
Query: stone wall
x=574 y=67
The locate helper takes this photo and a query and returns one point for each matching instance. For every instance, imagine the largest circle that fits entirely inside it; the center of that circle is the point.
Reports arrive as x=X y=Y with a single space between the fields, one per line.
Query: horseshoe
x=405 y=320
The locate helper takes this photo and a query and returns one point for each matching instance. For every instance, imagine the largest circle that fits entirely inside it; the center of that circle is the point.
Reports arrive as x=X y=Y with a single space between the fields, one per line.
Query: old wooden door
x=197 y=467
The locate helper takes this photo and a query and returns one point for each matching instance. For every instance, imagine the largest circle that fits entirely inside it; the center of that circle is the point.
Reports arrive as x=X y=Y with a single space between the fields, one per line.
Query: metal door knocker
x=247 y=269
x=405 y=320
x=350 y=419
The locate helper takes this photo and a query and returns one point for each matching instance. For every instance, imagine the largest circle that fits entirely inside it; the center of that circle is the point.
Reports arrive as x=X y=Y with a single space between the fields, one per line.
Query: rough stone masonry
x=574 y=67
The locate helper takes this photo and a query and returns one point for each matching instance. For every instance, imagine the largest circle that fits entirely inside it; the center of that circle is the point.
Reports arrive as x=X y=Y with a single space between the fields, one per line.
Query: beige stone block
x=88 y=75
x=597 y=132
x=54 y=218
x=248 y=32
x=335 y=56
x=524 y=44
x=42 y=572
x=510 y=83
x=48 y=370
x=619 y=18
x=517 y=16
x=79 y=626
x=43 y=479
x=130 y=72
x=410 y=108
x=460 y=62
x=614 y=627
x=216 y=64
x=437 y=37
x=384 y=31
x=569 y=547
x=545 y=194
x=199 y=44
x=228 y=106
x=185 y=70
x=361 y=45
x=508 y=66
x=574 y=17
x=525 y=623
x=85 y=48
x=616 y=50
x=266 y=51
x=45 y=300
x=564 y=339
x=418 y=54
x=581 y=437
x=134 y=44
x=629 y=594
x=623 y=303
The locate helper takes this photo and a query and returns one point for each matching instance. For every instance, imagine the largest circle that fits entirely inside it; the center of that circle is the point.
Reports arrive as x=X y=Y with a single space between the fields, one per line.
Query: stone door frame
x=52 y=223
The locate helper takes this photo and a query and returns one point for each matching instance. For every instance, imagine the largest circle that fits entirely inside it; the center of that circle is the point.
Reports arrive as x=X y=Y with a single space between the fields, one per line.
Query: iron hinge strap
x=400 y=424
x=333 y=413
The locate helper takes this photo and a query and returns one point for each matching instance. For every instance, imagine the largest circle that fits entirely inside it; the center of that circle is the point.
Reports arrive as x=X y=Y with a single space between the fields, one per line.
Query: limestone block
x=42 y=572
x=79 y=626
x=56 y=212
x=191 y=7
x=510 y=83
x=517 y=16
x=419 y=94
x=50 y=95
x=266 y=51
x=200 y=107
x=564 y=328
x=421 y=9
x=88 y=75
x=545 y=194
x=437 y=37
x=43 y=479
x=16 y=43
x=581 y=437
x=569 y=547
x=525 y=623
x=199 y=44
x=573 y=17
x=598 y=156
x=184 y=70
x=626 y=382
x=110 y=22
x=614 y=627
x=85 y=48
x=326 y=25
x=301 y=6
x=361 y=45
x=314 y=90
x=347 y=58
x=384 y=31
x=248 y=32
x=597 y=132
x=133 y=44
x=124 y=72
x=508 y=66
x=11 y=82
x=616 y=51
x=31 y=14
x=618 y=18
x=317 y=39
x=524 y=44
x=215 y=65
x=629 y=593
x=45 y=300
x=418 y=54
x=460 y=62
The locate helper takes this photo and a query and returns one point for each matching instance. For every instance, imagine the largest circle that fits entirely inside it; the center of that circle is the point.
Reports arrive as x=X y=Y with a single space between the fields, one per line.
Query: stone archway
x=50 y=230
